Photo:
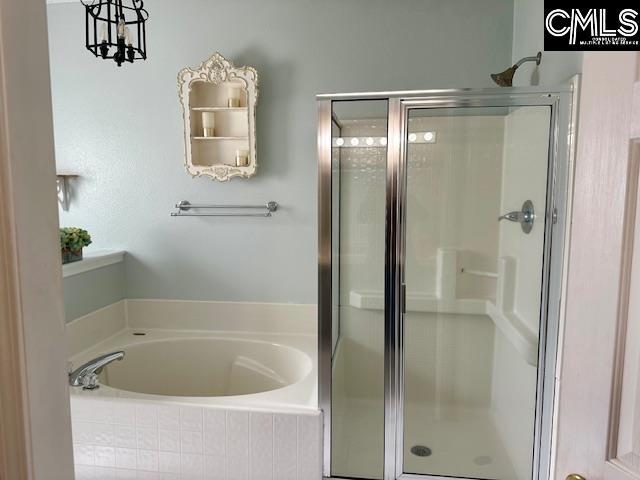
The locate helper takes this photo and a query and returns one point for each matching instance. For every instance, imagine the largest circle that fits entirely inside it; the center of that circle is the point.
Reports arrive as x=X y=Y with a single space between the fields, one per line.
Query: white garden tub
x=232 y=394
x=213 y=368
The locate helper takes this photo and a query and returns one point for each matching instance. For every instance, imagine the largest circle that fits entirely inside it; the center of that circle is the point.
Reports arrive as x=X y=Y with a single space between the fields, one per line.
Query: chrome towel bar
x=184 y=206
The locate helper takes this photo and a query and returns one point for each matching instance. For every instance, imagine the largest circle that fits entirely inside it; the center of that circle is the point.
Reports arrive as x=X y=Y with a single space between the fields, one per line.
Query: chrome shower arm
x=505 y=79
x=536 y=59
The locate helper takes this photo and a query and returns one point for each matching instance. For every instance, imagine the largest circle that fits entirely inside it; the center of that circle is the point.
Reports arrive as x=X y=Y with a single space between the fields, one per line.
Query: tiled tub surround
x=117 y=438
x=269 y=435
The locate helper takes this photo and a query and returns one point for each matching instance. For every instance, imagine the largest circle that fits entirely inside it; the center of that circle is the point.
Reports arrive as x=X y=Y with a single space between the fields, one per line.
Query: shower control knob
x=512 y=217
x=525 y=217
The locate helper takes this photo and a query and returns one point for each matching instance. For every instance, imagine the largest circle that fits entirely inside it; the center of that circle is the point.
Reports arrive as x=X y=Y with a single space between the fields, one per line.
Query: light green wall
x=89 y=291
x=121 y=129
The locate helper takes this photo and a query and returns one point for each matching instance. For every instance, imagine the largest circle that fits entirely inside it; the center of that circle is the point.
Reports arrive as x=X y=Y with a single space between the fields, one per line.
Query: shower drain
x=421 y=451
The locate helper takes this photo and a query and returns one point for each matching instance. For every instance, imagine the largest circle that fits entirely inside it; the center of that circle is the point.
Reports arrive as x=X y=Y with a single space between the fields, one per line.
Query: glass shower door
x=358 y=185
x=474 y=249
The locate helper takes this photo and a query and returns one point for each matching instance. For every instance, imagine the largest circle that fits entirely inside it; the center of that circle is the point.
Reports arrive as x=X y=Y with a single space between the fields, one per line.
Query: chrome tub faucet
x=86 y=376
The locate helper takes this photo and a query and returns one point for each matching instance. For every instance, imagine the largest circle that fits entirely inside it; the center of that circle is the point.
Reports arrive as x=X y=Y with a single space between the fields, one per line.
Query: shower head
x=505 y=79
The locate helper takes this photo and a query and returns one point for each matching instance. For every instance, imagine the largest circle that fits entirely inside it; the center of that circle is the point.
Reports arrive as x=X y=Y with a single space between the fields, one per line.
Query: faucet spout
x=86 y=375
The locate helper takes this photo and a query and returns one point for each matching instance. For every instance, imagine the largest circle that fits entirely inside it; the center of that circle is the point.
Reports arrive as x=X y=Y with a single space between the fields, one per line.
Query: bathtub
x=198 y=404
x=212 y=368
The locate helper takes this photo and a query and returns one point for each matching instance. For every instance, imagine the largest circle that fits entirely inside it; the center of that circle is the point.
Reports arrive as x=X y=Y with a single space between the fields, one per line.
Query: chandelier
x=116 y=29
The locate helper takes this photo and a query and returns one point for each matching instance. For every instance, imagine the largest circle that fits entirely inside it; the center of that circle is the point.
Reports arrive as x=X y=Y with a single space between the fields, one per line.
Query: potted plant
x=72 y=241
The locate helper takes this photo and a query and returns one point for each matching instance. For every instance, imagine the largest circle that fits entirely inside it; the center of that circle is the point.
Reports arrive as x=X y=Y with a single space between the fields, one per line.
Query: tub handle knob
x=90 y=382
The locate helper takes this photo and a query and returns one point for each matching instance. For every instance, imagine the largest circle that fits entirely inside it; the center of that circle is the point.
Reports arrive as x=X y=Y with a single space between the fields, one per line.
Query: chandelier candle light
x=116 y=29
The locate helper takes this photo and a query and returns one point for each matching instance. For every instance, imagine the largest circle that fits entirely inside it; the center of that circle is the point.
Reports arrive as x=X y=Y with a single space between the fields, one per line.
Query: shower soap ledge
x=502 y=311
x=418 y=302
x=508 y=322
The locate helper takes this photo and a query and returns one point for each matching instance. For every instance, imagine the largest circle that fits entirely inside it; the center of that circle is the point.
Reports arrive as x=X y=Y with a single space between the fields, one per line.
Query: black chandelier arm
x=95 y=10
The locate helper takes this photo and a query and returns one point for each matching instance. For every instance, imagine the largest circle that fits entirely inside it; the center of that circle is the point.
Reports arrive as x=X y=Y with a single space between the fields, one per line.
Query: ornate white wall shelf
x=218 y=106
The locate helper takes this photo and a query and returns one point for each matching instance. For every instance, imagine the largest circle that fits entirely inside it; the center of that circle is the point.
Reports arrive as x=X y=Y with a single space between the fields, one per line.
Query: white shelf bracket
x=64 y=190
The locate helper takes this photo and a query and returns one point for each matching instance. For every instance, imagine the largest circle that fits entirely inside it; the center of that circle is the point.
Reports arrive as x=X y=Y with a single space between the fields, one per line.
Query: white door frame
x=587 y=383
x=35 y=424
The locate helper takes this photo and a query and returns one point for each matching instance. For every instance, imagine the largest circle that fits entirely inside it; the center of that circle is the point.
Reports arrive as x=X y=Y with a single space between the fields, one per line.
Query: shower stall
x=442 y=227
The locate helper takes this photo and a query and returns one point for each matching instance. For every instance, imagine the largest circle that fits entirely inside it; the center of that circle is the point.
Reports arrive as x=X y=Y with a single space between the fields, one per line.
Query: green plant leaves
x=74 y=239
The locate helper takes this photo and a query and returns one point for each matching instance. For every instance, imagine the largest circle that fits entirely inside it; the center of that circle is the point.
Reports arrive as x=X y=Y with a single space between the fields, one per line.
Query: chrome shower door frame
x=562 y=102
